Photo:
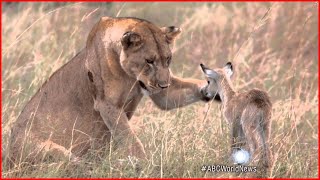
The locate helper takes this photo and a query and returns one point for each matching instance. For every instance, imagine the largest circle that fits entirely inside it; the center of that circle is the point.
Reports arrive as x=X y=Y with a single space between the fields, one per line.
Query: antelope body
x=249 y=114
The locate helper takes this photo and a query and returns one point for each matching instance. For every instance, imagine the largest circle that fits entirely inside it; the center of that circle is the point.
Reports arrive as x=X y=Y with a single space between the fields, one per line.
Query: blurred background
x=273 y=46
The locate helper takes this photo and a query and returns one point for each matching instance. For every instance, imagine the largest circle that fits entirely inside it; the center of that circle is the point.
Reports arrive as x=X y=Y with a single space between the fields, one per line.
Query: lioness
x=92 y=97
x=249 y=114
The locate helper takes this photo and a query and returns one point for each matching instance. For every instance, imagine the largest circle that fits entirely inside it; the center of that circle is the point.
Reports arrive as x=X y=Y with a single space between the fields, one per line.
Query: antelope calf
x=249 y=114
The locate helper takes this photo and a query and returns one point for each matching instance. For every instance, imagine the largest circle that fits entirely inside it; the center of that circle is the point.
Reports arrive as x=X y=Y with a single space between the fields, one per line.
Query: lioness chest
x=125 y=97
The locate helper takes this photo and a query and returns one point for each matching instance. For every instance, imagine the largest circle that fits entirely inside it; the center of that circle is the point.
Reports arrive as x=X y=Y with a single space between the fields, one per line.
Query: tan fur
x=249 y=114
x=91 y=98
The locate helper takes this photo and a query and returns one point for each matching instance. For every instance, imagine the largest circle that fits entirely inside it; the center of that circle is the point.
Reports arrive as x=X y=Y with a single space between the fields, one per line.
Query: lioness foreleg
x=121 y=132
x=180 y=93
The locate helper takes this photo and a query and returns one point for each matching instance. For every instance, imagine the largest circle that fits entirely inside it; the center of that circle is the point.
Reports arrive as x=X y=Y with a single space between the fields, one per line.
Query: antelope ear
x=209 y=72
x=171 y=33
x=131 y=39
x=228 y=69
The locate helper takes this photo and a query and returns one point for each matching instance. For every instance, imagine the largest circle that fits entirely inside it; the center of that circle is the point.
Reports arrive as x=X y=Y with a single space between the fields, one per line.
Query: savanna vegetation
x=273 y=46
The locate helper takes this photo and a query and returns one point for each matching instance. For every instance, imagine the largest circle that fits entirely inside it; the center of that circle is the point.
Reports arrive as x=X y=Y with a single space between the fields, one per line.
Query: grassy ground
x=274 y=46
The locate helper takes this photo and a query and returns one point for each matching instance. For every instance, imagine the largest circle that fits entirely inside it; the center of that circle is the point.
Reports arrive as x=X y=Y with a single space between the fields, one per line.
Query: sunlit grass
x=273 y=46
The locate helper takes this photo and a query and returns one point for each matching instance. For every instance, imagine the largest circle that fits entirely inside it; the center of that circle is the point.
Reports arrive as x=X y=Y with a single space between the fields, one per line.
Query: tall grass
x=273 y=46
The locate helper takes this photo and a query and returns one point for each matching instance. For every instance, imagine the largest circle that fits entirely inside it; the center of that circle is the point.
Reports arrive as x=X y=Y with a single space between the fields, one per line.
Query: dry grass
x=274 y=46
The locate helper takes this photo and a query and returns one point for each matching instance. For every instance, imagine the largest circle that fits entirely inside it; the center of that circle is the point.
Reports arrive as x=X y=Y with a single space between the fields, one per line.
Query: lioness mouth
x=143 y=85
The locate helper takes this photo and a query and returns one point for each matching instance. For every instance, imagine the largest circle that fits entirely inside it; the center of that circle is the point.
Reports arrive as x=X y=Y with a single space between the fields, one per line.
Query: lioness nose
x=163 y=86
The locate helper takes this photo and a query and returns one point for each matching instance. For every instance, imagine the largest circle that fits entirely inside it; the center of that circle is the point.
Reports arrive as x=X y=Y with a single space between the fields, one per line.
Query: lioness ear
x=228 y=69
x=131 y=39
x=171 y=33
x=209 y=72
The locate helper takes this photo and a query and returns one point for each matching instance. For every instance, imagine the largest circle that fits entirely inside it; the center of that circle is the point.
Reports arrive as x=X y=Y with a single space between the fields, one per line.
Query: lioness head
x=146 y=55
x=218 y=79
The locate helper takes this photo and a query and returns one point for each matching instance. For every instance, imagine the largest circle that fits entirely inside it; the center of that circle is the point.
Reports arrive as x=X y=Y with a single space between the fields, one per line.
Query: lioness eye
x=149 y=61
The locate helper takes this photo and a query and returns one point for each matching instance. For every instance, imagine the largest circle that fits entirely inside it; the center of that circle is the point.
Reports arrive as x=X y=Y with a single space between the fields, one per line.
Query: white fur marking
x=229 y=72
x=209 y=72
x=145 y=92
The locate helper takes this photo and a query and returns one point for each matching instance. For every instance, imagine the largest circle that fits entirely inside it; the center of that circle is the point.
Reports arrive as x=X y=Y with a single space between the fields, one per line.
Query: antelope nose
x=163 y=86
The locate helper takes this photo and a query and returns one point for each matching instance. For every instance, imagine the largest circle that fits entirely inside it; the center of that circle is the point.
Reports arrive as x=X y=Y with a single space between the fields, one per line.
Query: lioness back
x=62 y=104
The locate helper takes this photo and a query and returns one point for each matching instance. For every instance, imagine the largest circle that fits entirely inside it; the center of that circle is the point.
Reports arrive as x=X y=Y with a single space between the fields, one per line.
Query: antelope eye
x=168 y=60
x=149 y=61
x=208 y=82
